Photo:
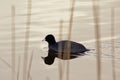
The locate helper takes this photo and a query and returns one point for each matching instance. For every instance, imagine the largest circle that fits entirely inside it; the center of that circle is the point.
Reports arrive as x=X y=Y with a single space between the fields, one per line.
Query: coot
x=61 y=50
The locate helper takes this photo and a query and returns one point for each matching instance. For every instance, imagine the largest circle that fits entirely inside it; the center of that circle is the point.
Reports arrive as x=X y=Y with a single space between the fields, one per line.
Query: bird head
x=50 y=39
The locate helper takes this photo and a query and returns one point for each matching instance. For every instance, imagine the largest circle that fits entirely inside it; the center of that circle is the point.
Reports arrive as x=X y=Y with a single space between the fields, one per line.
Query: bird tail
x=90 y=49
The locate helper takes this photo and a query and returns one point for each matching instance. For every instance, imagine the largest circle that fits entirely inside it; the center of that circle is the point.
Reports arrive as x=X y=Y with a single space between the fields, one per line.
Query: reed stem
x=60 y=52
x=30 y=65
x=69 y=36
x=97 y=35
x=27 y=34
x=113 y=42
x=18 y=70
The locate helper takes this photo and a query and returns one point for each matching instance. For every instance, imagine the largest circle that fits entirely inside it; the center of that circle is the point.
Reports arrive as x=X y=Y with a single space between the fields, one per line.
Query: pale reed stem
x=69 y=37
x=30 y=65
x=97 y=35
x=113 y=42
x=27 y=34
x=18 y=70
x=60 y=52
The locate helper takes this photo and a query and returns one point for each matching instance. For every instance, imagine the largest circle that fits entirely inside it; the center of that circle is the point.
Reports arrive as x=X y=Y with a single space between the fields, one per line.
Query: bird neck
x=52 y=42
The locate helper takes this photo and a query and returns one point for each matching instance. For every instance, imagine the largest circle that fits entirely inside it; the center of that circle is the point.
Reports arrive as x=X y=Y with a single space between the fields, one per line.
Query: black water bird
x=60 y=49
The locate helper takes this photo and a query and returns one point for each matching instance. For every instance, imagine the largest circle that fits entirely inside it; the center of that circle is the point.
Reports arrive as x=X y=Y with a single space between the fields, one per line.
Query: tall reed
x=113 y=42
x=60 y=51
x=13 y=41
x=27 y=34
x=29 y=66
x=18 y=68
x=97 y=36
x=6 y=63
x=69 y=36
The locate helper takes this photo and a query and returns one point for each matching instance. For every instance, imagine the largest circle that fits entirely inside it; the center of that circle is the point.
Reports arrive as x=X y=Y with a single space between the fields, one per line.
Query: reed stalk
x=29 y=66
x=18 y=68
x=69 y=36
x=13 y=55
x=27 y=34
x=97 y=36
x=60 y=51
x=6 y=63
x=113 y=42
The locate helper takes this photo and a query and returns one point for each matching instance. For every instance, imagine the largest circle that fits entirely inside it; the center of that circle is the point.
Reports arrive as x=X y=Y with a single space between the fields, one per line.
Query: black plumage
x=75 y=49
